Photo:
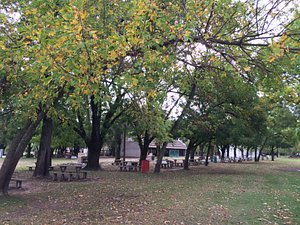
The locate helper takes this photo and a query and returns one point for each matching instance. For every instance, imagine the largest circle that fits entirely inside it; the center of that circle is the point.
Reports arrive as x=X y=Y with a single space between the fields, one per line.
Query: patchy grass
x=247 y=193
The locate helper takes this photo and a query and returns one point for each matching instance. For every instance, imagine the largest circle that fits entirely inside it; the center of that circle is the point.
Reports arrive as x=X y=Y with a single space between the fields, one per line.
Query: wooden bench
x=31 y=168
x=18 y=182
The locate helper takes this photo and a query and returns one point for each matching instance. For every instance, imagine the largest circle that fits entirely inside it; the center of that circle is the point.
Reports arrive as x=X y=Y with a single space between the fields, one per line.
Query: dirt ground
x=222 y=193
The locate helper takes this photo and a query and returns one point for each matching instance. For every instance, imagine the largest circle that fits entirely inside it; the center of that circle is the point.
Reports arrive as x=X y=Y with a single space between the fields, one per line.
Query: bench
x=18 y=182
x=178 y=164
x=193 y=162
x=31 y=168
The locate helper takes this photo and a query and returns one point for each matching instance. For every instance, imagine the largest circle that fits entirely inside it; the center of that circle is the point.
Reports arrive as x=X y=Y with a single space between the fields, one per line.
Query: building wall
x=132 y=149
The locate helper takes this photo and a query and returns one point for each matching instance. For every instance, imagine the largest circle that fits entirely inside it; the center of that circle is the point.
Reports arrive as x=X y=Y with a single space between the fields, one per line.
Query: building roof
x=176 y=144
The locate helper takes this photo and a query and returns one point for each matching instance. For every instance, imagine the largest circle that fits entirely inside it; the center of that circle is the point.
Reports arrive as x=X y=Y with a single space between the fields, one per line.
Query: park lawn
x=242 y=193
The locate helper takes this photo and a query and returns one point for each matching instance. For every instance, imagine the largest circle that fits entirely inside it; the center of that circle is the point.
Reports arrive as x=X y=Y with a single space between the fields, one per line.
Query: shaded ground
x=263 y=193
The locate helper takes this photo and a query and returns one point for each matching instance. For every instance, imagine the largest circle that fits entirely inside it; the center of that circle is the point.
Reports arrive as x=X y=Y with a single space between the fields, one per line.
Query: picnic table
x=69 y=172
x=129 y=166
x=167 y=163
x=177 y=163
x=18 y=182
x=31 y=168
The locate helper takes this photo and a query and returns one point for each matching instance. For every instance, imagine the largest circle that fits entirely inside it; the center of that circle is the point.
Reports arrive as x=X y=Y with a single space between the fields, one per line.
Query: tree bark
x=223 y=150
x=76 y=150
x=44 y=153
x=15 y=152
x=144 y=145
x=234 y=152
x=201 y=150
x=255 y=155
x=228 y=148
x=208 y=152
x=192 y=155
x=261 y=149
x=28 y=150
x=191 y=148
x=116 y=146
x=272 y=153
x=242 y=152
x=247 y=152
x=160 y=155
x=94 y=143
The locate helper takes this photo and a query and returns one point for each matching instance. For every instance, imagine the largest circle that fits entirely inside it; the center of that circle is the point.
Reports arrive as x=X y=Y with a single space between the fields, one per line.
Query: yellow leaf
x=152 y=93
x=59 y=58
x=213 y=58
x=134 y=82
x=43 y=69
x=247 y=69
x=61 y=40
x=83 y=15
x=2 y=45
x=272 y=58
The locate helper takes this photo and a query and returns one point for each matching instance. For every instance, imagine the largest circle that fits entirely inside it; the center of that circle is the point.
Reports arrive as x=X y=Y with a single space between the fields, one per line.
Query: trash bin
x=145 y=166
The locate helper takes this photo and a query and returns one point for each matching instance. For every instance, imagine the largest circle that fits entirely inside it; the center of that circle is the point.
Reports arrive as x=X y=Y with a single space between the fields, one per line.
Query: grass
x=247 y=193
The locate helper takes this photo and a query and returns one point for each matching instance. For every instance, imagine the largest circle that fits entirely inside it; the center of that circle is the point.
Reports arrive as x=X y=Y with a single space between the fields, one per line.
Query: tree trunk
x=261 y=149
x=227 y=149
x=201 y=150
x=117 y=144
x=144 y=145
x=191 y=148
x=44 y=153
x=187 y=156
x=234 y=152
x=259 y=155
x=160 y=155
x=242 y=152
x=94 y=149
x=223 y=150
x=16 y=150
x=94 y=143
x=247 y=152
x=255 y=155
x=28 y=150
x=208 y=152
x=76 y=150
x=272 y=153
x=192 y=155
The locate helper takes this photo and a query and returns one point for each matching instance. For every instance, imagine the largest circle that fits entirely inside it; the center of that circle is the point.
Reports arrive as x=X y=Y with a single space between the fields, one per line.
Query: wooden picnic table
x=167 y=164
x=64 y=167
x=127 y=166
x=178 y=164
x=69 y=171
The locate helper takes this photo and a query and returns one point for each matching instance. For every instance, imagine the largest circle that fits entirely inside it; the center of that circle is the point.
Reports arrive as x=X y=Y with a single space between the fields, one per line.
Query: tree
x=44 y=153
